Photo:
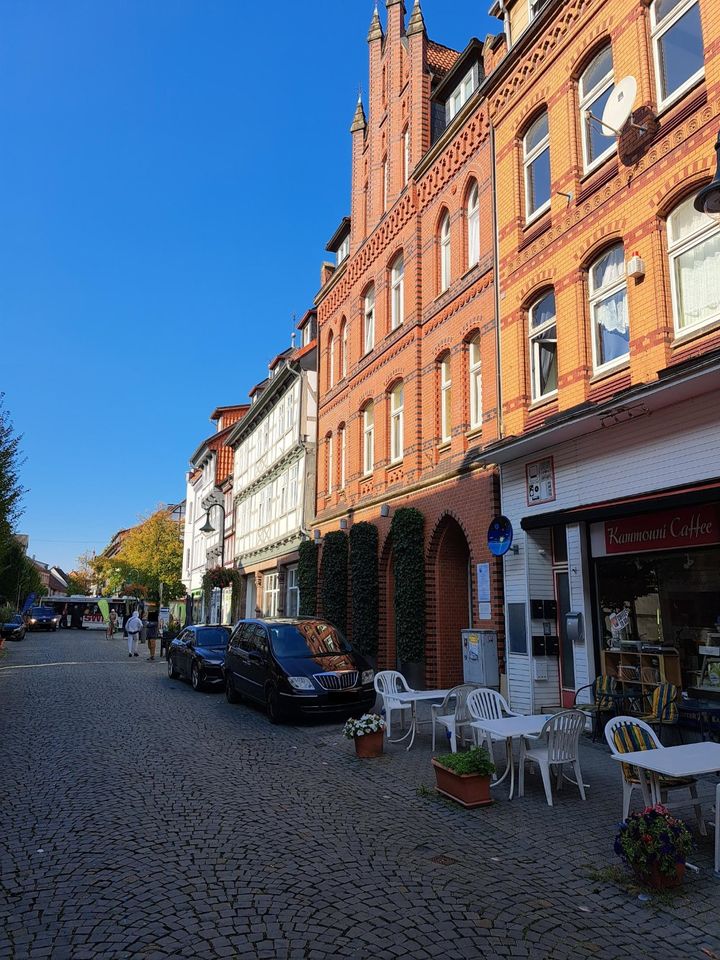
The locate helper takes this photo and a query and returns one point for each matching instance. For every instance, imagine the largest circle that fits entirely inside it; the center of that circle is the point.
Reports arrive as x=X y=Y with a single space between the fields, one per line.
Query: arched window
x=445 y=253
x=594 y=88
x=536 y=164
x=445 y=398
x=608 y=308
x=694 y=249
x=543 y=347
x=343 y=348
x=369 y=321
x=386 y=182
x=406 y=154
x=342 y=452
x=329 y=463
x=368 y=439
x=397 y=405
x=473 y=226
x=397 y=292
x=331 y=360
x=475 y=382
x=678 y=47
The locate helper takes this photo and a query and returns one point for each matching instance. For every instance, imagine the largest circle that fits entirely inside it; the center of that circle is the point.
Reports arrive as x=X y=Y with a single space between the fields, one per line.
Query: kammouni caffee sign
x=677 y=529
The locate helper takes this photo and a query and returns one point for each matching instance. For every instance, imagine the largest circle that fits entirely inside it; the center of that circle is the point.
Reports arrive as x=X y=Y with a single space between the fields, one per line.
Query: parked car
x=197 y=654
x=42 y=618
x=13 y=629
x=299 y=666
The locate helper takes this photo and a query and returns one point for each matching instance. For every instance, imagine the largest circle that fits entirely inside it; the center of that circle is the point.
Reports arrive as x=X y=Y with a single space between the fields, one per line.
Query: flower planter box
x=468 y=789
x=369 y=744
x=661 y=881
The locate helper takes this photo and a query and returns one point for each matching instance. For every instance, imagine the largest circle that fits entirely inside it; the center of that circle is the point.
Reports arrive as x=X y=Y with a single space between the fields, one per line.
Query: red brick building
x=407 y=365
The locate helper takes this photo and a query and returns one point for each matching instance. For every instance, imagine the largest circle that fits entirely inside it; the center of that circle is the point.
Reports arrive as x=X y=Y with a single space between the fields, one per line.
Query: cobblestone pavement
x=141 y=819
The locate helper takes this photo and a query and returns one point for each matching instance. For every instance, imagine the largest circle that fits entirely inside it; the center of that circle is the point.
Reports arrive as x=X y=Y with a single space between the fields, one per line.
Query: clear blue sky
x=170 y=171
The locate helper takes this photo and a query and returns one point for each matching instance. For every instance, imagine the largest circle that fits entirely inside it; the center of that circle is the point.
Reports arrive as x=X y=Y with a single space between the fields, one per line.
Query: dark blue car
x=197 y=655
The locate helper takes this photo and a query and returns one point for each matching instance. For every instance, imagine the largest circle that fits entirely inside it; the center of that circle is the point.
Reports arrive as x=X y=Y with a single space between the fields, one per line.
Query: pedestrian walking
x=134 y=628
x=151 y=637
x=112 y=625
x=63 y=618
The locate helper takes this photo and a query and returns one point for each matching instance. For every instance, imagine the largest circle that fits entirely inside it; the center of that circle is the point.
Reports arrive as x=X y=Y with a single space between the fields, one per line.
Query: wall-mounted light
x=385 y=510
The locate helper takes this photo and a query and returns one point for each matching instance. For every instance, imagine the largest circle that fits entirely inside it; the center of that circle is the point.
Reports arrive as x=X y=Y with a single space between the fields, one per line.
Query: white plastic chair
x=453 y=722
x=717 y=829
x=561 y=736
x=629 y=734
x=486 y=704
x=386 y=683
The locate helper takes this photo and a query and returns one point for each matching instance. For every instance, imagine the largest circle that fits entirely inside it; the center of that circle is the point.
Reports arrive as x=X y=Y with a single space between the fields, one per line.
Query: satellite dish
x=500 y=536
x=619 y=106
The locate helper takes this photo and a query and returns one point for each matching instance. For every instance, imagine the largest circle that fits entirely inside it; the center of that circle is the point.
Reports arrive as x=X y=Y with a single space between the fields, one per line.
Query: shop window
x=473 y=225
x=271 y=594
x=559 y=544
x=536 y=165
x=677 y=46
x=608 y=309
x=543 y=347
x=694 y=249
x=596 y=84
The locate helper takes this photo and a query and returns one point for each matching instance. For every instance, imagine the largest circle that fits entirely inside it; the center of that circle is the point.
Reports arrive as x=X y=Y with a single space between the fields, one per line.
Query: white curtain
x=698 y=282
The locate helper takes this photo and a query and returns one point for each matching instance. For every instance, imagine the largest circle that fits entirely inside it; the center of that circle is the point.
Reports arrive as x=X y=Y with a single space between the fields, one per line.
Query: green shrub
x=407 y=532
x=334 y=578
x=364 y=592
x=476 y=760
x=308 y=577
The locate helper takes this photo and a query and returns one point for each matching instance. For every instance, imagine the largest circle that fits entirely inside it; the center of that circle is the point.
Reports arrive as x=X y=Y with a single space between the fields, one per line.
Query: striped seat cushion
x=663 y=706
x=629 y=737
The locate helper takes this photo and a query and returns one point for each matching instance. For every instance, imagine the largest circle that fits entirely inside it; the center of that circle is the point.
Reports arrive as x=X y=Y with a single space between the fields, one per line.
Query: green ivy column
x=364 y=591
x=308 y=578
x=407 y=532
x=334 y=578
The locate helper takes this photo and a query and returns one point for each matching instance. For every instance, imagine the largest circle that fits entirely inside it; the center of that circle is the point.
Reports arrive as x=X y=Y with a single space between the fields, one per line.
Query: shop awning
x=686 y=496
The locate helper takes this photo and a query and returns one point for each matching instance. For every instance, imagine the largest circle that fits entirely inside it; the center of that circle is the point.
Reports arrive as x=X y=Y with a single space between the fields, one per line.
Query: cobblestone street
x=141 y=819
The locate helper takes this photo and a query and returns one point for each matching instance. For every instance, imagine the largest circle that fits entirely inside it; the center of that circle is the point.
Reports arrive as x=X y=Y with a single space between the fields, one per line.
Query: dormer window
x=462 y=93
x=536 y=6
x=343 y=250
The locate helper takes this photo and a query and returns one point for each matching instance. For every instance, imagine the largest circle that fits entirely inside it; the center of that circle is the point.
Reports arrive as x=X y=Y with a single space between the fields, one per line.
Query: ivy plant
x=334 y=578
x=407 y=532
x=364 y=592
x=308 y=577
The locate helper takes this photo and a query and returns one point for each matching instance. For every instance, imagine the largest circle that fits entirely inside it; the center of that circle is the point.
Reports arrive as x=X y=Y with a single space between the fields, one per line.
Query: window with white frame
x=406 y=155
x=386 y=182
x=462 y=93
x=343 y=250
x=329 y=463
x=369 y=321
x=475 y=384
x=292 y=592
x=331 y=360
x=608 y=308
x=293 y=487
x=543 y=347
x=397 y=292
x=536 y=7
x=694 y=249
x=445 y=399
x=473 y=225
x=594 y=88
x=343 y=348
x=397 y=406
x=343 y=452
x=271 y=594
x=368 y=439
x=677 y=46
x=536 y=164
x=445 y=253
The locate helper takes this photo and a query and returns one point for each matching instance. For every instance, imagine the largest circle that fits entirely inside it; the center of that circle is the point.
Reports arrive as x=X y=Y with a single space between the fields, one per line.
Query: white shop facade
x=615 y=509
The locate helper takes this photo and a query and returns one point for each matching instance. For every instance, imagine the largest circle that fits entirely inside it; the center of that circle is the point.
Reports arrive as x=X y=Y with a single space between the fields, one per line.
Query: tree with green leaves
x=150 y=555
x=11 y=490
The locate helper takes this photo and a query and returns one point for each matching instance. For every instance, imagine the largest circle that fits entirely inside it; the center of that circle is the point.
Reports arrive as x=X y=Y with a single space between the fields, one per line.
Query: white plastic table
x=508 y=727
x=684 y=760
x=413 y=697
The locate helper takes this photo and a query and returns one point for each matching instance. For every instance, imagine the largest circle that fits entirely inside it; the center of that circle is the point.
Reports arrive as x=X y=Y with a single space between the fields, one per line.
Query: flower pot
x=369 y=744
x=660 y=881
x=468 y=789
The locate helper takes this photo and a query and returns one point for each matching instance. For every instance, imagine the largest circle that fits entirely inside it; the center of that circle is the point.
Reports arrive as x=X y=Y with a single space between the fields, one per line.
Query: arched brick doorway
x=448 y=607
x=387 y=650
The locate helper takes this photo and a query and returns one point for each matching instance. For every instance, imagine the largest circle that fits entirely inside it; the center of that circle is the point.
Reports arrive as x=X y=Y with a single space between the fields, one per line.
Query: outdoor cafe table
x=413 y=697
x=508 y=727
x=685 y=760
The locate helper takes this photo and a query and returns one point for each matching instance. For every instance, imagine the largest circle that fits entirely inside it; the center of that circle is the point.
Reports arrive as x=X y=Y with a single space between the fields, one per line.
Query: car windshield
x=212 y=637
x=309 y=638
x=42 y=612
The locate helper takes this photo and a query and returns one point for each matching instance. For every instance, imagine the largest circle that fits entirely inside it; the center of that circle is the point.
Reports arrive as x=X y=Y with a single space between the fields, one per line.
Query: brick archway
x=448 y=602
x=387 y=649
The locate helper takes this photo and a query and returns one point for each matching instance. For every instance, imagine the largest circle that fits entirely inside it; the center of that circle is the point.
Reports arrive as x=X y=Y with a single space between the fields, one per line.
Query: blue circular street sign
x=500 y=536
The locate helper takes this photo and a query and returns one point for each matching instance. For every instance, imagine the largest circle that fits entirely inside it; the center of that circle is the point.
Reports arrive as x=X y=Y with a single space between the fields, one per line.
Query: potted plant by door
x=367 y=732
x=655 y=845
x=465 y=777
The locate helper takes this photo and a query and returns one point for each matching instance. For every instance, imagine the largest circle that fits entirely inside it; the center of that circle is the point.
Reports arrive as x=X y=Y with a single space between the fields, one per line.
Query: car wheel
x=172 y=671
x=272 y=705
x=231 y=694
x=195 y=680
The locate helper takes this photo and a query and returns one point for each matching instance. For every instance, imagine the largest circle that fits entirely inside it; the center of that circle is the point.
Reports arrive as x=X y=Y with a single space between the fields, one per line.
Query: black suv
x=297 y=666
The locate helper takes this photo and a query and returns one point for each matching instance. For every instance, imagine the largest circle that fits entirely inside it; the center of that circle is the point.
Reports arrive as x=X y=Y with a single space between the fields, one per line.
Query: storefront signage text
x=681 y=528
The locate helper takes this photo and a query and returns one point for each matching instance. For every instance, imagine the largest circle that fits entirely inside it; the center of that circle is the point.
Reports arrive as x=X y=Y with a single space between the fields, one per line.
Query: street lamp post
x=207 y=528
x=708 y=199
